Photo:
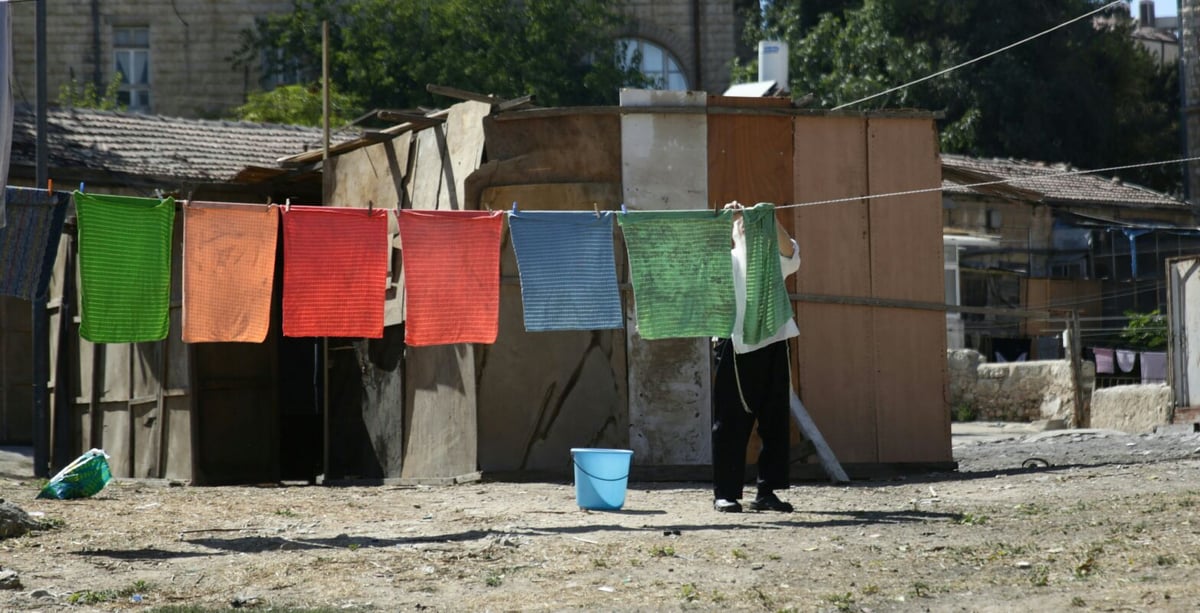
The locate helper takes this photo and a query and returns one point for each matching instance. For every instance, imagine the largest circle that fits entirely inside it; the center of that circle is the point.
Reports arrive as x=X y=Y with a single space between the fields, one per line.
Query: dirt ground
x=1098 y=521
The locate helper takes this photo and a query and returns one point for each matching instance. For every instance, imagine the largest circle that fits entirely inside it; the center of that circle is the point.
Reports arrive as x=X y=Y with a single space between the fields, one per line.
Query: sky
x=1162 y=8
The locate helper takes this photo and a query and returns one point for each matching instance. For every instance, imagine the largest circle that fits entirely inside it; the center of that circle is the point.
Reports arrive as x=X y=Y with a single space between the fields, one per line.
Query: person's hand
x=736 y=207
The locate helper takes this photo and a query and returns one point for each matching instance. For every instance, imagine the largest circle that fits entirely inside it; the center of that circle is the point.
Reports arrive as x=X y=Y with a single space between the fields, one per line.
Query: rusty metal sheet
x=440 y=410
x=834 y=351
x=664 y=164
x=906 y=263
x=566 y=148
x=542 y=393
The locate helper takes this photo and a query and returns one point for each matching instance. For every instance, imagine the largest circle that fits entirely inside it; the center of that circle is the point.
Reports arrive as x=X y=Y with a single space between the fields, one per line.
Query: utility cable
x=982 y=57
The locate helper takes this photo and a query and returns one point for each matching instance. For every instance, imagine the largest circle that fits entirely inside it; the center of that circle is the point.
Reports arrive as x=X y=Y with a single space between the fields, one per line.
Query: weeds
x=688 y=592
x=971 y=519
x=1040 y=576
x=920 y=589
x=841 y=602
x=285 y=513
x=662 y=551
x=494 y=579
x=739 y=554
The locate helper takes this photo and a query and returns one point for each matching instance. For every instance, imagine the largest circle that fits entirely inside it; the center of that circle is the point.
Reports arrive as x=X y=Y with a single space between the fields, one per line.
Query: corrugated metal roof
x=157 y=146
x=1046 y=183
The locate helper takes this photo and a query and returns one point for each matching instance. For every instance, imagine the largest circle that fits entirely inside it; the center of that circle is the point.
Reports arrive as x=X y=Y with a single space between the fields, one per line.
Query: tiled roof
x=1052 y=186
x=156 y=146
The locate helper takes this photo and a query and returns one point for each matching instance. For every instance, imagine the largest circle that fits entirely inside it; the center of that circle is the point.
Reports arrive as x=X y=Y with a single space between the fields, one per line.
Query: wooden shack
x=872 y=374
x=871 y=371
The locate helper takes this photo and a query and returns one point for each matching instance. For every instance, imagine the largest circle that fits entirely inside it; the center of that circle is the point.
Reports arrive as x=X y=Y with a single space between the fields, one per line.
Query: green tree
x=384 y=52
x=297 y=104
x=74 y=94
x=1145 y=330
x=1085 y=94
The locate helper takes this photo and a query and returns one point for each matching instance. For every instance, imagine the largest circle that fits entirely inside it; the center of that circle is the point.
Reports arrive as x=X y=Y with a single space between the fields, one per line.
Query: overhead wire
x=980 y=58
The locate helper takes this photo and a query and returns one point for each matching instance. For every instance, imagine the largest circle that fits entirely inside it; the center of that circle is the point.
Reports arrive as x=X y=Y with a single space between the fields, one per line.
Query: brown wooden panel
x=834 y=356
x=542 y=393
x=906 y=263
x=238 y=418
x=749 y=159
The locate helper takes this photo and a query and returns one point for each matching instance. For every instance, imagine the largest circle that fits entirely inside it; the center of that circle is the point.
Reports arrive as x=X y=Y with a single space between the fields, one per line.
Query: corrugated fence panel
x=906 y=263
x=834 y=352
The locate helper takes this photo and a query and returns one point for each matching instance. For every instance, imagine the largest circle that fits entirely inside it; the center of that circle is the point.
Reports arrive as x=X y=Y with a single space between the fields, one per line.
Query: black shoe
x=727 y=506
x=770 y=502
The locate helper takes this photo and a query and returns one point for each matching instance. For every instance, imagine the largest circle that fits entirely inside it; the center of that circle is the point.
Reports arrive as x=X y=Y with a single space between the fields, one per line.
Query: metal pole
x=40 y=320
x=325 y=189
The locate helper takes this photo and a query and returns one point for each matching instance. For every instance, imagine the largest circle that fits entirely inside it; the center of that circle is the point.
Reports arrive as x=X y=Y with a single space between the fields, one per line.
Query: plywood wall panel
x=542 y=393
x=834 y=353
x=906 y=263
x=749 y=159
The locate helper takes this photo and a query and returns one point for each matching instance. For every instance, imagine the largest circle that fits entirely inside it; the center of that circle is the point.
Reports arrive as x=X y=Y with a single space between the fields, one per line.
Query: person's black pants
x=765 y=380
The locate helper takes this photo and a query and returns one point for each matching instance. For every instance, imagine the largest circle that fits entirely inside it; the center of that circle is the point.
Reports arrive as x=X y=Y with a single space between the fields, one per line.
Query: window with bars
x=131 y=60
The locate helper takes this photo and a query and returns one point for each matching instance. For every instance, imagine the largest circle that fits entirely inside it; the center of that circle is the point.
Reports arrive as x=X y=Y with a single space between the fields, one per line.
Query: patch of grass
x=870 y=590
x=1040 y=577
x=841 y=602
x=920 y=589
x=662 y=551
x=774 y=557
x=599 y=563
x=688 y=592
x=1164 y=559
x=1032 y=509
x=92 y=597
x=285 y=513
x=971 y=519
x=52 y=523
x=964 y=412
x=739 y=554
x=494 y=579
x=1078 y=602
x=353 y=546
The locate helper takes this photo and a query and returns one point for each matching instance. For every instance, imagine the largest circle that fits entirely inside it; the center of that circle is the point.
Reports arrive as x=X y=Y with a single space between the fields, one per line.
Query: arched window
x=657 y=63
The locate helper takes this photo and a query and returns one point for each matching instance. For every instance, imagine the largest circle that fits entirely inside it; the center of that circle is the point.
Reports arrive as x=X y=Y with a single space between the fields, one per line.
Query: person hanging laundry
x=682 y=279
x=752 y=379
x=124 y=267
x=29 y=245
x=451 y=276
x=334 y=271
x=228 y=271
x=568 y=270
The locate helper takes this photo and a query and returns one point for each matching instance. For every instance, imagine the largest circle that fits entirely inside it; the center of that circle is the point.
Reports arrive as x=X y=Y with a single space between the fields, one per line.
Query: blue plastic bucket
x=600 y=477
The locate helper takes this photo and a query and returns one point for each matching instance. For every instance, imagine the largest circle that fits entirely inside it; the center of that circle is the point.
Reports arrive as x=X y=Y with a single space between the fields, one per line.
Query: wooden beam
x=462 y=94
x=412 y=117
x=301 y=159
x=515 y=103
x=808 y=427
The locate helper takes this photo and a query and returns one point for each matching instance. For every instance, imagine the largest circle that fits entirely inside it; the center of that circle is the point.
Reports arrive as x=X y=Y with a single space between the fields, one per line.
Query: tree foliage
x=298 y=105
x=384 y=52
x=1087 y=94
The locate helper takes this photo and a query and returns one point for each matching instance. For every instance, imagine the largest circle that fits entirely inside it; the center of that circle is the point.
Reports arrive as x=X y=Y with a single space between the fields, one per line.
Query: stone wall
x=671 y=24
x=1014 y=391
x=1132 y=408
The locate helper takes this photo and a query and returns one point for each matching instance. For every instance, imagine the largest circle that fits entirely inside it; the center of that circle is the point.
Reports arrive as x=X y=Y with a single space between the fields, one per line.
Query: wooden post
x=1082 y=419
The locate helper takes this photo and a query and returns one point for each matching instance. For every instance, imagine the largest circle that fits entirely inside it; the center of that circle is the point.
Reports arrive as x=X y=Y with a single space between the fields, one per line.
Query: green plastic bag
x=82 y=478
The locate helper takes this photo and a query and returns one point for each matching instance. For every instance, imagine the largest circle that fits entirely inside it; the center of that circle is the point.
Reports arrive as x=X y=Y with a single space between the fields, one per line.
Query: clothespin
x=50 y=185
x=623 y=209
x=596 y=207
x=370 y=207
x=288 y=206
x=81 y=187
x=189 y=198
